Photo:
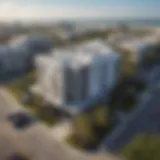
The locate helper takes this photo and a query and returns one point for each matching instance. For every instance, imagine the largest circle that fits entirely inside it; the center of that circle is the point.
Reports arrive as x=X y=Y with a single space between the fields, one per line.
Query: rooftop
x=18 y=40
x=96 y=47
x=79 y=55
x=138 y=43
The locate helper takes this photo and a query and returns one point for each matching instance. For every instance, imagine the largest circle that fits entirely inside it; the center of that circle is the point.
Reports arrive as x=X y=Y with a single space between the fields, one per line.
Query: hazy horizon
x=31 y=10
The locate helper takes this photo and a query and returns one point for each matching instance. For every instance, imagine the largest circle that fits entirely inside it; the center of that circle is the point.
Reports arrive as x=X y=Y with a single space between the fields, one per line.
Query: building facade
x=75 y=76
x=19 y=54
x=136 y=45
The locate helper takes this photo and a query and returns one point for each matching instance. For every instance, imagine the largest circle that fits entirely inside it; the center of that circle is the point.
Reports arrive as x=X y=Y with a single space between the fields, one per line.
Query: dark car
x=17 y=156
x=21 y=120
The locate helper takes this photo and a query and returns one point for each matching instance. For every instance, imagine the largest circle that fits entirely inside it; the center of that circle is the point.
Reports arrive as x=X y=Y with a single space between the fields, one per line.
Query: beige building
x=134 y=43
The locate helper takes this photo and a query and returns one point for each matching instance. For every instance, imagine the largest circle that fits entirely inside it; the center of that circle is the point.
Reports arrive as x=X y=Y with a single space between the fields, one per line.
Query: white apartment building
x=76 y=75
x=12 y=59
x=138 y=46
x=134 y=43
x=19 y=54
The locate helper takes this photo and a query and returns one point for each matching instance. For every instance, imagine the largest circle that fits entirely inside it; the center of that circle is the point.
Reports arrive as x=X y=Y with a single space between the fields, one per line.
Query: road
x=38 y=137
x=39 y=140
x=151 y=76
x=146 y=119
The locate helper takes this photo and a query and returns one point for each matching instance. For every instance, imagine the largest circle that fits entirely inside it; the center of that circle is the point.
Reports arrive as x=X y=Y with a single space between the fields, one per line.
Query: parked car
x=21 y=120
x=17 y=156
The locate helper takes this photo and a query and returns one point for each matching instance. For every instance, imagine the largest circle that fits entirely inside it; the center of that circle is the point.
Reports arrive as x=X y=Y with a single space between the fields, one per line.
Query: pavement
x=62 y=130
x=145 y=119
x=10 y=142
x=38 y=140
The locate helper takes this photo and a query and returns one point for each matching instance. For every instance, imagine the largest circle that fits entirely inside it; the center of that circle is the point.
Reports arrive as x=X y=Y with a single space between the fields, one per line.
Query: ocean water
x=112 y=23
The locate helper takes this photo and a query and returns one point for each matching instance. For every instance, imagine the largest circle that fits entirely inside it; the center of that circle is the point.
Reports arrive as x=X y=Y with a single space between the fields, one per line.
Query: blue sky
x=95 y=2
x=57 y=9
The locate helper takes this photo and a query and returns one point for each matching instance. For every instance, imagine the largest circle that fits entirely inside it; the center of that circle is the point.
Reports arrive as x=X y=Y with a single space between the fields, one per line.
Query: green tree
x=83 y=135
x=152 y=55
x=144 y=147
x=90 y=127
x=128 y=66
x=100 y=116
x=124 y=95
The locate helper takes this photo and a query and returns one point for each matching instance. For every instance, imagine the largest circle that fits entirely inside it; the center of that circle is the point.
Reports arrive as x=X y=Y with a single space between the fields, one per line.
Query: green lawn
x=90 y=128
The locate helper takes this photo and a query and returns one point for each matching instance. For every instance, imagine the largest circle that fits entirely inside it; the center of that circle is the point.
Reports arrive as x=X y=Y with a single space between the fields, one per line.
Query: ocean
x=84 y=24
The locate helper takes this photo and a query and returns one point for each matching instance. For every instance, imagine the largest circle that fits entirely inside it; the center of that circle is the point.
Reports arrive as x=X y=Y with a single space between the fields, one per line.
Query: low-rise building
x=18 y=55
x=138 y=47
x=12 y=59
x=136 y=44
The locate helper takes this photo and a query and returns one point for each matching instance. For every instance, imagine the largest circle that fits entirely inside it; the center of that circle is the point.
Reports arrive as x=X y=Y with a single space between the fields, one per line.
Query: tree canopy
x=124 y=94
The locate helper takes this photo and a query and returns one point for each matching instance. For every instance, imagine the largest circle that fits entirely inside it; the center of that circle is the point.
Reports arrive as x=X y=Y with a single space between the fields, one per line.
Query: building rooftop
x=133 y=40
x=96 y=47
x=9 y=50
x=79 y=56
x=138 y=43
x=17 y=40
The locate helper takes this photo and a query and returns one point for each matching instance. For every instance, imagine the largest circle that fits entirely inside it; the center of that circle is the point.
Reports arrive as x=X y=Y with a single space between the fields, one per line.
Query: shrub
x=144 y=147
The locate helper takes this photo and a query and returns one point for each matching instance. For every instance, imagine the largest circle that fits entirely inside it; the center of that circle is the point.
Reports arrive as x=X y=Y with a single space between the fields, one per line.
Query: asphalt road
x=38 y=138
x=146 y=119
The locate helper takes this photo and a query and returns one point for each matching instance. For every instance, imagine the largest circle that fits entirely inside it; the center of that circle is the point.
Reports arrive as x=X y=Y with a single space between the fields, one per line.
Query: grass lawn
x=47 y=115
x=19 y=87
x=89 y=129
